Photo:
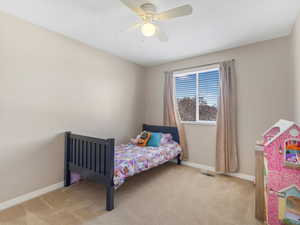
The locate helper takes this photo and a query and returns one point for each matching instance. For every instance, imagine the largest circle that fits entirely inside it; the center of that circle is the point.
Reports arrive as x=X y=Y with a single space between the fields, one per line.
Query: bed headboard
x=163 y=129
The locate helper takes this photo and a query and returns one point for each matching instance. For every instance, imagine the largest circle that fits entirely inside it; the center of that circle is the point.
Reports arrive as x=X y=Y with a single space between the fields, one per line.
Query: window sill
x=203 y=123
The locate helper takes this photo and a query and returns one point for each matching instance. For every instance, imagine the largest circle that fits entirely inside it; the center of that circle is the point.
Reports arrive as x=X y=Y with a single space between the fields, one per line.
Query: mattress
x=131 y=159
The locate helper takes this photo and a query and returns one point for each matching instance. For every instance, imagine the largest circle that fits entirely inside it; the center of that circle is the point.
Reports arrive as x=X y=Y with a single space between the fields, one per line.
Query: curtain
x=226 y=146
x=171 y=114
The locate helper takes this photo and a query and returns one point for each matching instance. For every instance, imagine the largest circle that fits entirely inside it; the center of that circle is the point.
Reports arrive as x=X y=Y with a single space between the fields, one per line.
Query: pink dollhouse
x=282 y=173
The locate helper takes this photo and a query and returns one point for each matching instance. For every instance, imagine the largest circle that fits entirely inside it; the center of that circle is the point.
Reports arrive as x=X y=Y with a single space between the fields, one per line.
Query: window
x=197 y=95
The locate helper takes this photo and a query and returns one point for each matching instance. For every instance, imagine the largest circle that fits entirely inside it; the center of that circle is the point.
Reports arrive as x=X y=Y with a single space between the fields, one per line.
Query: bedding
x=132 y=159
x=165 y=138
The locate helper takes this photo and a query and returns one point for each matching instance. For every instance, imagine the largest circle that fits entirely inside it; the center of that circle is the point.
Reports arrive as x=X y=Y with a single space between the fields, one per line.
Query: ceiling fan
x=147 y=12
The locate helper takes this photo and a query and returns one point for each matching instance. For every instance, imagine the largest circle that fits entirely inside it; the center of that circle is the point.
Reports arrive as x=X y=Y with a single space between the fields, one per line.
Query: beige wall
x=50 y=84
x=295 y=65
x=264 y=96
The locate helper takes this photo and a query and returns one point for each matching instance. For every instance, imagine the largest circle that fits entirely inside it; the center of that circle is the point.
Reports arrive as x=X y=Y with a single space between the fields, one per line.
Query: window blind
x=186 y=86
x=197 y=95
x=208 y=86
x=186 y=91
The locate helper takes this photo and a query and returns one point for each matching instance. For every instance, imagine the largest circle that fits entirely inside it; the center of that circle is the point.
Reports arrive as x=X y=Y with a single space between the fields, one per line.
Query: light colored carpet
x=167 y=195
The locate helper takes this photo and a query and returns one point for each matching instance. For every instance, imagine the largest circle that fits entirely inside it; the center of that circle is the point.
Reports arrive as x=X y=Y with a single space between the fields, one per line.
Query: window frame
x=190 y=72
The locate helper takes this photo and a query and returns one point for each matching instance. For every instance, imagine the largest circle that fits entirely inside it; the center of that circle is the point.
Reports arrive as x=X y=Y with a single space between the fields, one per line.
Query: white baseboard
x=37 y=193
x=211 y=169
x=31 y=195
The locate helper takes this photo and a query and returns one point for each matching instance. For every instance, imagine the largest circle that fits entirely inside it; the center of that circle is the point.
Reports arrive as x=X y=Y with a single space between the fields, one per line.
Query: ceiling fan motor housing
x=149 y=8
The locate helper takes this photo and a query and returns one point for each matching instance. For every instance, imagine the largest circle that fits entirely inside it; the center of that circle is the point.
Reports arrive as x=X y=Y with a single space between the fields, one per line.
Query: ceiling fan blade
x=133 y=7
x=161 y=35
x=133 y=27
x=184 y=10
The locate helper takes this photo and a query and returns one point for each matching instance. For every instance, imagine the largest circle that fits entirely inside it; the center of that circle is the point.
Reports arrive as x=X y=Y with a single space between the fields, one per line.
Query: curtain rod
x=194 y=67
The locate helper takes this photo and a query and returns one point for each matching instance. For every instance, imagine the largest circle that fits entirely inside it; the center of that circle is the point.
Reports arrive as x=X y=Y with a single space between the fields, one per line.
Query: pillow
x=144 y=138
x=154 y=140
x=165 y=138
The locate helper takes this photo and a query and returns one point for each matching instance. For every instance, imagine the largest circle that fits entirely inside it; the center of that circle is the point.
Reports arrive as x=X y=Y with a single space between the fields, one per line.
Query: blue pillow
x=154 y=140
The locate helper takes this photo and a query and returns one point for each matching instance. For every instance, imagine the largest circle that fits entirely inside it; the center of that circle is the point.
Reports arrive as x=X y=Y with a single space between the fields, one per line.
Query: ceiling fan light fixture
x=148 y=14
x=148 y=29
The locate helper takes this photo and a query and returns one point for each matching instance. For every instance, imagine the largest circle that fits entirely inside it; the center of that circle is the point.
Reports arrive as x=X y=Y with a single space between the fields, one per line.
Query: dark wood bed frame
x=95 y=157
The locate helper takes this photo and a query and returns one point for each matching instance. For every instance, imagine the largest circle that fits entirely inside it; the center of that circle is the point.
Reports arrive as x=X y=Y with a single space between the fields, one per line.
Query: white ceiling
x=215 y=25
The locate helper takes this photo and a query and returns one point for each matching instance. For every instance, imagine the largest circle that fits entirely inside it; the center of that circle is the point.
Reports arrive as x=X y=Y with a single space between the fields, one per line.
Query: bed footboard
x=91 y=156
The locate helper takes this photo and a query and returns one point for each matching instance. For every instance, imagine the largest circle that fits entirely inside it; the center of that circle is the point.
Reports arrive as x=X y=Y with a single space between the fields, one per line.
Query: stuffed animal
x=144 y=138
x=134 y=141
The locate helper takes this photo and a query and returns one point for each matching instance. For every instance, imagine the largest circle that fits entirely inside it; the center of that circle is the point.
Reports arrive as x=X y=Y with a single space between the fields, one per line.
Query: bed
x=110 y=164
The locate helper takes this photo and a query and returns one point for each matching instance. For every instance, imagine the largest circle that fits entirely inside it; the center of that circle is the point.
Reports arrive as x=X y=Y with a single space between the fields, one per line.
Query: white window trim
x=197 y=71
x=194 y=70
x=200 y=122
x=197 y=96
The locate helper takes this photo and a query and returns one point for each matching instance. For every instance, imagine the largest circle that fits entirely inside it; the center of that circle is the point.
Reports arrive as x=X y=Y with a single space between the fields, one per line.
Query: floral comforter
x=131 y=159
